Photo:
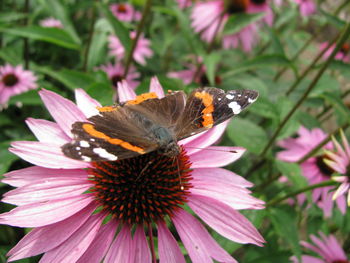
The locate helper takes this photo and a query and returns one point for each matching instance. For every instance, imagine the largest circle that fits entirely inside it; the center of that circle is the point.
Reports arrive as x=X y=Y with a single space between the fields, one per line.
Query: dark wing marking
x=207 y=107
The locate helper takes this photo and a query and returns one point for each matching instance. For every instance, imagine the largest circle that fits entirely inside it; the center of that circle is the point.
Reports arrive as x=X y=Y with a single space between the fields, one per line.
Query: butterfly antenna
x=143 y=170
x=208 y=149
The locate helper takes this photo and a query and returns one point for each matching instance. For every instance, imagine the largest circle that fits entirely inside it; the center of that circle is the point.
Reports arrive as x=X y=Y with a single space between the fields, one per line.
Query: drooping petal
x=63 y=111
x=45 y=155
x=142 y=252
x=122 y=249
x=216 y=156
x=99 y=247
x=43 y=191
x=200 y=245
x=75 y=246
x=85 y=103
x=225 y=220
x=156 y=87
x=43 y=239
x=42 y=214
x=28 y=175
x=168 y=249
x=47 y=131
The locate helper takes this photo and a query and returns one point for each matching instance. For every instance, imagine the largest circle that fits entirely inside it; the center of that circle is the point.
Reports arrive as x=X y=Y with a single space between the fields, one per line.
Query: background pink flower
x=141 y=52
x=343 y=54
x=51 y=22
x=314 y=169
x=15 y=80
x=306 y=7
x=58 y=196
x=125 y=12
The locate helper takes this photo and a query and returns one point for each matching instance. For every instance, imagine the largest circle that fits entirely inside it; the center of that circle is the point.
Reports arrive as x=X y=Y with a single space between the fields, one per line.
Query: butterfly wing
x=207 y=107
x=137 y=127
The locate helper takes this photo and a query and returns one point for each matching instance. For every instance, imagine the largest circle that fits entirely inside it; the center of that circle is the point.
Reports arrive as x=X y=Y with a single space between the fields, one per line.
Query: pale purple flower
x=58 y=197
x=15 y=80
x=184 y=3
x=115 y=73
x=343 y=54
x=51 y=22
x=315 y=169
x=327 y=249
x=141 y=52
x=209 y=19
x=306 y=7
x=339 y=161
x=125 y=12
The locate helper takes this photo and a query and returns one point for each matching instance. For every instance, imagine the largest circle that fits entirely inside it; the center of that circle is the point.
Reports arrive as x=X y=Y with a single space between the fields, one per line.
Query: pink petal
x=216 y=156
x=344 y=187
x=99 y=247
x=45 y=154
x=122 y=249
x=47 y=131
x=200 y=245
x=44 y=190
x=43 y=239
x=206 y=139
x=225 y=220
x=75 y=246
x=125 y=92
x=41 y=214
x=85 y=103
x=156 y=87
x=142 y=252
x=168 y=249
x=25 y=176
x=64 y=112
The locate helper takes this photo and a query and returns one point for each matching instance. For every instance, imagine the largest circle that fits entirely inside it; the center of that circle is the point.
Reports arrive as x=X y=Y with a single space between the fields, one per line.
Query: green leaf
x=55 y=36
x=293 y=172
x=9 y=17
x=284 y=222
x=335 y=100
x=28 y=98
x=102 y=92
x=247 y=134
x=6 y=157
x=59 y=10
x=211 y=61
x=11 y=55
x=258 y=62
x=119 y=29
x=97 y=51
x=333 y=20
x=276 y=44
x=238 y=21
x=247 y=81
x=265 y=108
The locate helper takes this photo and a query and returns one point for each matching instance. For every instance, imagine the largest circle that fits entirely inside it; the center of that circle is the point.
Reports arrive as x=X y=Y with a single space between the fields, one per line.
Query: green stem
x=340 y=42
x=312 y=38
x=139 y=29
x=151 y=243
x=25 y=40
x=91 y=33
x=326 y=109
x=302 y=190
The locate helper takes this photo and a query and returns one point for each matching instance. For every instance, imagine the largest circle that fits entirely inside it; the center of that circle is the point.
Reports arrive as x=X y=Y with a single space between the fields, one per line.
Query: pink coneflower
x=315 y=169
x=246 y=39
x=141 y=52
x=209 y=19
x=125 y=12
x=115 y=73
x=191 y=73
x=327 y=248
x=15 y=80
x=184 y=3
x=343 y=54
x=306 y=7
x=89 y=211
x=339 y=161
x=51 y=22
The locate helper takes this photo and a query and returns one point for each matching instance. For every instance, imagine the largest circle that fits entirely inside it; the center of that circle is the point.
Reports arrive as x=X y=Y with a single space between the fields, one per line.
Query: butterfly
x=149 y=123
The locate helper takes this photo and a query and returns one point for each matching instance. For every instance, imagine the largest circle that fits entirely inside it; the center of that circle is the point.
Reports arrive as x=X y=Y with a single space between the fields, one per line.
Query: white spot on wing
x=104 y=154
x=77 y=148
x=86 y=159
x=235 y=107
x=230 y=96
x=251 y=100
x=84 y=144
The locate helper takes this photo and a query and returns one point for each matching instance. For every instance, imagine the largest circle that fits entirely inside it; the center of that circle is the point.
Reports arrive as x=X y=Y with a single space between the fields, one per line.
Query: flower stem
x=91 y=33
x=151 y=242
x=344 y=36
x=139 y=29
x=25 y=40
x=326 y=109
x=302 y=190
x=312 y=38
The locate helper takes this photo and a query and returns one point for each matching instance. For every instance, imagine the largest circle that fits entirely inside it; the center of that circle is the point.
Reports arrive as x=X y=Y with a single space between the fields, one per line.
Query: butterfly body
x=149 y=124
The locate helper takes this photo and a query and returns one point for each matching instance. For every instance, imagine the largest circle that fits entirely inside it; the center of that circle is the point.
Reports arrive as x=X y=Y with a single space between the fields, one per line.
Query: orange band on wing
x=106 y=109
x=143 y=97
x=89 y=128
x=207 y=100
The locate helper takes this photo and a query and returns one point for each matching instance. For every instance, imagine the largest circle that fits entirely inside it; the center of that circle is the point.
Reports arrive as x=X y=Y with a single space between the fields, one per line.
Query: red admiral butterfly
x=149 y=124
